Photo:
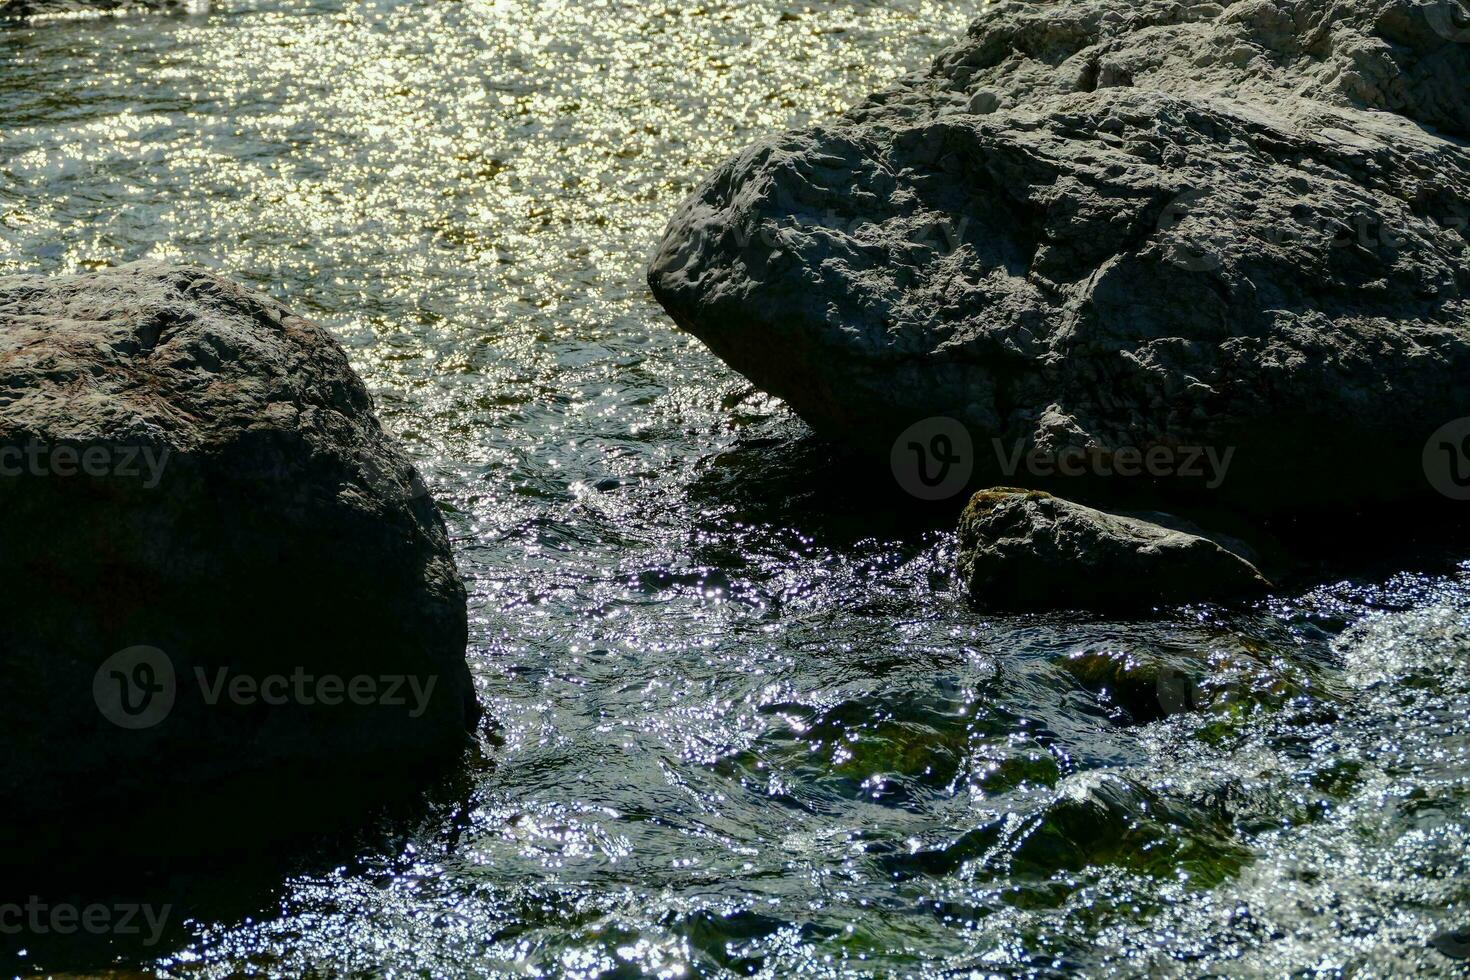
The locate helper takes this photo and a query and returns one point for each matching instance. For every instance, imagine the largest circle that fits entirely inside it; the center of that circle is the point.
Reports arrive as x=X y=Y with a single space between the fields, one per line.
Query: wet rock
x=1024 y=549
x=1106 y=818
x=1141 y=685
x=1108 y=226
x=217 y=568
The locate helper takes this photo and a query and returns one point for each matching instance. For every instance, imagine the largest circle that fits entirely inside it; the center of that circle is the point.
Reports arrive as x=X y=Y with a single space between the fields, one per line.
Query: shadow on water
x=786 y=475
x=149 y=876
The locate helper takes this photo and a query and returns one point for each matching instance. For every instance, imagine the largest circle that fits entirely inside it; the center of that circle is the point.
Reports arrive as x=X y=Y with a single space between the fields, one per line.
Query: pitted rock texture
x=186 y=465
x=1024 y=549
x=1108 y=224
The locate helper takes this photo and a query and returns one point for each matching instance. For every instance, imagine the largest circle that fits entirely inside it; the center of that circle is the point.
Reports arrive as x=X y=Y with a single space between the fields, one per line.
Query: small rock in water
x=1022 y=549
x=1148 y=684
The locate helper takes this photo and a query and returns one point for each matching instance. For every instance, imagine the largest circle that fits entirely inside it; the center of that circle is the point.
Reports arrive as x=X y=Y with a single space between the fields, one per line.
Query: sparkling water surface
x=745 y=723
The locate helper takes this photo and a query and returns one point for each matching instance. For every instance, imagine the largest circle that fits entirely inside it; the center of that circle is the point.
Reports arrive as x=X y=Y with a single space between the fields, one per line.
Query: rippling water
x=746 y=724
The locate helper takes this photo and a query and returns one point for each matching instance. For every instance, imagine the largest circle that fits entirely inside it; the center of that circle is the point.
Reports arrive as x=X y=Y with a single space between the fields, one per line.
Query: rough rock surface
x=1024 y=549
x=1114 y=224
x=187 y=466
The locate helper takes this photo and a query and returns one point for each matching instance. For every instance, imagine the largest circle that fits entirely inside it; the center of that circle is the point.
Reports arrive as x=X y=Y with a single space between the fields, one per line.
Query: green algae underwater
x=746 y=723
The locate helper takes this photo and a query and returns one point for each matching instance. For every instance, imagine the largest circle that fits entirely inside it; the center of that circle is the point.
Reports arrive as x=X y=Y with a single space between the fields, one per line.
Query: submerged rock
x=1140 y=684
x=217 y=568
x=1024 y=549
x=1108 y=226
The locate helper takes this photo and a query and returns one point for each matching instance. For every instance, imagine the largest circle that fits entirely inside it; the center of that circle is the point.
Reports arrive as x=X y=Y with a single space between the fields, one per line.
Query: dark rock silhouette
x=196 y=491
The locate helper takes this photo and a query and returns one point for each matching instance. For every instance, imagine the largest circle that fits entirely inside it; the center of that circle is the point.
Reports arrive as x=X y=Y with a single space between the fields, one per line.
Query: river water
x=745 y=724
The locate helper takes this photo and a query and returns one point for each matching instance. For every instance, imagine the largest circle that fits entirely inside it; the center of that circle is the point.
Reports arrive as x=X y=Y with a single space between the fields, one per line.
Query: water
x=746 y=723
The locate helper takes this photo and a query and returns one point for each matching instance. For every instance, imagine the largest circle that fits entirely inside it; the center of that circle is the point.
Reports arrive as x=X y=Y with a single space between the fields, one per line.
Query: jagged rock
x=195 y=490
x=1110 y=226
x=1023 y=549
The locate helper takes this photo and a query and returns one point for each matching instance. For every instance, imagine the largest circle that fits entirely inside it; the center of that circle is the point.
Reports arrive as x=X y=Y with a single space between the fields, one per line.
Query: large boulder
x=218 y=570
x=1102 y=226
x=1021 y=549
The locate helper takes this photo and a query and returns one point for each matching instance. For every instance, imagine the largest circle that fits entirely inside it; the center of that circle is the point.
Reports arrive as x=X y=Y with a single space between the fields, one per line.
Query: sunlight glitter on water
x=746 y=725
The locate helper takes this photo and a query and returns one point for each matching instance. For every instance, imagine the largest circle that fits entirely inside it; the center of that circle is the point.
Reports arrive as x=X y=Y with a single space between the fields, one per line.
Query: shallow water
x=746 y=724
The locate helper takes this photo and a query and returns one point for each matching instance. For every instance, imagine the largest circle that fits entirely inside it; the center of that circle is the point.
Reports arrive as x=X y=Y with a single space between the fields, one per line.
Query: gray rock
x=1023 y=549
x=1112 y=225
x=195 y=489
